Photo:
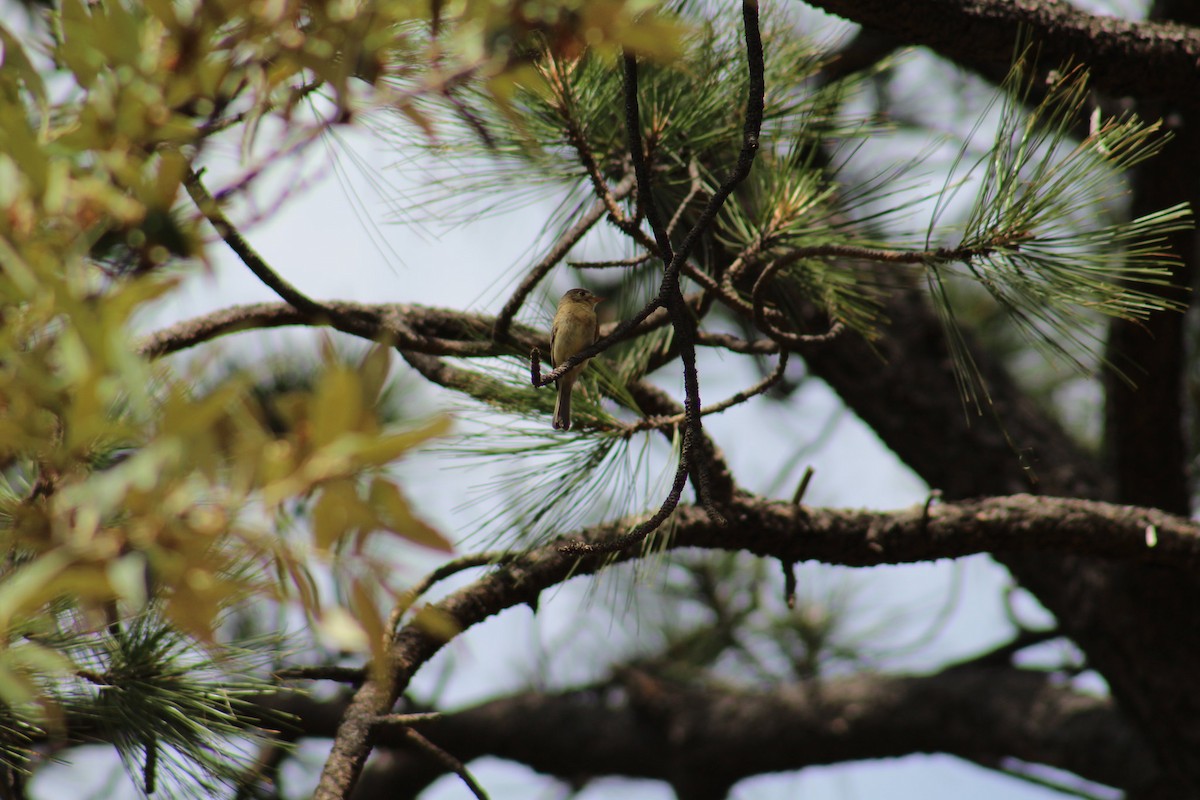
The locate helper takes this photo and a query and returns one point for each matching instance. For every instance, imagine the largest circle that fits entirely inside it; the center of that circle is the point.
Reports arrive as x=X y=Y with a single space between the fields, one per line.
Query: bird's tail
x=562 y=406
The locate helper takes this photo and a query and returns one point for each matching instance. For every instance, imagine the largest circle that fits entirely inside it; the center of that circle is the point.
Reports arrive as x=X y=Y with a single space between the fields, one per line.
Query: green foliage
x=551 y=483
x=1032 y=239
x=172 y=710
x=182 y=719
x=124 y=486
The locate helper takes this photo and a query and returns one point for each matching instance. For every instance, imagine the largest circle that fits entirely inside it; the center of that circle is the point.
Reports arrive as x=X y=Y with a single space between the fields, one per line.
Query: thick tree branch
x=1145 y=409
x=422 y=329
x=790 y=533
x=1143 y=59
x=1145 y=449
x=651 y=728
x=644 y=727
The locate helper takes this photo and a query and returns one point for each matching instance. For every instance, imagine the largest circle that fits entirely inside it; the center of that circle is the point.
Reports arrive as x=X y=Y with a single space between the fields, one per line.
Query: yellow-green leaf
x=31 y=586
x=362 y=605
x=337 y=407
x=339 y=511
x=437 y=623
x=393 y=510
x=16 y=64
x=341 y=630
x=387 y=448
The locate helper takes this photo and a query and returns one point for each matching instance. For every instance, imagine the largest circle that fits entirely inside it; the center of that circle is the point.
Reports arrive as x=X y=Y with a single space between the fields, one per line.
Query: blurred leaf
x=436 y=622
x=395 y=514
x=337 y=406
x=16 y=69
x=362 y=605
x=31 y=586
x=386 y=448
x=342 y=631
x=339 y=511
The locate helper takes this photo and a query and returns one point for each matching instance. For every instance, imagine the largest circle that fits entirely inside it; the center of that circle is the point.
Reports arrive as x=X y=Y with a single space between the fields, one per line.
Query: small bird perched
x=575 y=327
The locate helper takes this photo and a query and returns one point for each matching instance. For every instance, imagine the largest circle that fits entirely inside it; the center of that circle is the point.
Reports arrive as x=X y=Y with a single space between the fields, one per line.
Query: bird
x=575 y=327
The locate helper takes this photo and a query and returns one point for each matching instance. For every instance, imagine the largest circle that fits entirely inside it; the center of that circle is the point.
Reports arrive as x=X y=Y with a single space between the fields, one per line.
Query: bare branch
x=693 y=192
x=445 y=759
x=758 y=347
x=249 y=256
x=636 y=261
x=348 y=675
x=421 y=329
x=443 y=572
x=641 y=726
x=652 y=423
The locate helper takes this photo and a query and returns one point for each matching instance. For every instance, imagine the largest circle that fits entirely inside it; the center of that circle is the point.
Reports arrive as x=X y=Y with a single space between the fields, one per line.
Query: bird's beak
x=597 y=300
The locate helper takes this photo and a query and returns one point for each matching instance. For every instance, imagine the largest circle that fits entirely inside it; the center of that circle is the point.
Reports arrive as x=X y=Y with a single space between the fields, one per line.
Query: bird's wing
x=553 y=336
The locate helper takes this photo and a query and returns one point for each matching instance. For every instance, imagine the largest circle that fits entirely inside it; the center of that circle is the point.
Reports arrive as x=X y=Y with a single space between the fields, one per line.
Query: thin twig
x=934 y=496
x=757 y=347
x=485 y=559
x=642 y=529
x=410 y=719
x=636 y=261
x=561 y=84
x=654 y=423
x=353 y=676
x=470 y=117
x=802 y=489
x=695 y=189
x=789 y=583
x=641 y=169
x=578 y=140
x=759 y=310
x=446 y=760
x=784 y=337
x=728 y=290
x=656 y=402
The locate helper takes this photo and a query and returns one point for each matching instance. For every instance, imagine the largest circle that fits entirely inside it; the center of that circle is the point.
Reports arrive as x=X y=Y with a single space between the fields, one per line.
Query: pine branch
x=670 y=294
x=661 y=422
